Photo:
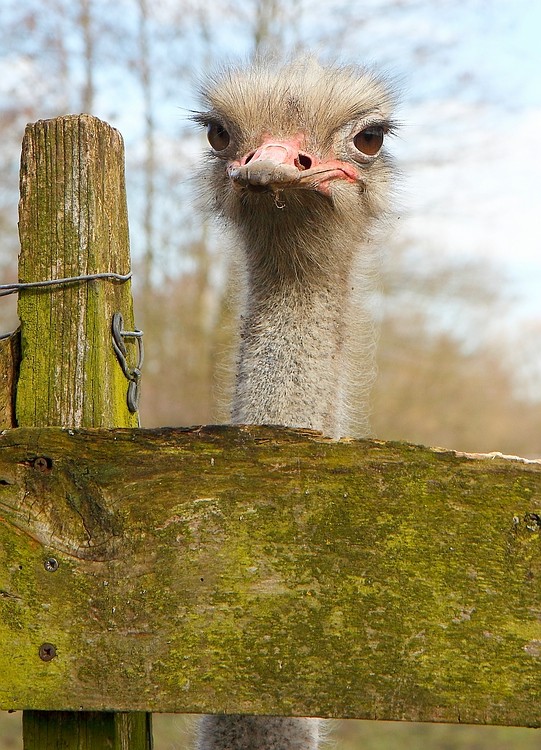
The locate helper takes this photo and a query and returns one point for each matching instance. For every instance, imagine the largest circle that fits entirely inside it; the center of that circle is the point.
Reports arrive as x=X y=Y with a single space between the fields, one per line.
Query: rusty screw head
x=51 y=564
x=533 y=521
x=47 y=652
x=42 y=463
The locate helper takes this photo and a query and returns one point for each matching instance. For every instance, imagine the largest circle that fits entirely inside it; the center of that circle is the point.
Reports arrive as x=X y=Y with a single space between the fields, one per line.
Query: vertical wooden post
x=73 y=221
x=88 y=730
x=9 y=369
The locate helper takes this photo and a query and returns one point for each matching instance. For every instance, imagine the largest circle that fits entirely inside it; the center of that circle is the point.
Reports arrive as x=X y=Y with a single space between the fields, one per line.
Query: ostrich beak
x=273 y=165
x=280 y=164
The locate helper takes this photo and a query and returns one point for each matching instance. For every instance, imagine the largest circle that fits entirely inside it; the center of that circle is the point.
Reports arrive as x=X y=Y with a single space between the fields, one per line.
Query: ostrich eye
x=218 y=136
x=370 y=140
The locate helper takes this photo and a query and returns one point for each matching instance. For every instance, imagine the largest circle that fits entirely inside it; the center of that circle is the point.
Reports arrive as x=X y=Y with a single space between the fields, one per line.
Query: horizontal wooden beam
x=262 y=570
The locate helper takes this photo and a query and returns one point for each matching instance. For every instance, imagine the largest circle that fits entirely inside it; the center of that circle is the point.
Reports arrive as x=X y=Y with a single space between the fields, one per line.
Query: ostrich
x=296 y=168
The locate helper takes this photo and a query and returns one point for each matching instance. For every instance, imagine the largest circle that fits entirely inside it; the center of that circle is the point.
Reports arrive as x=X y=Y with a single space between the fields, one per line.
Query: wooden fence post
x=73 y=221
x=10 y=357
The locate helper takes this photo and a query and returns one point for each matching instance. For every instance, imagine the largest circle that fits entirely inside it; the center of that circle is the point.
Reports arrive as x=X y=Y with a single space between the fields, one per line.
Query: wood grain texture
x=72 y=221
x=101 y=731
x=263 y=570
x=10 y=353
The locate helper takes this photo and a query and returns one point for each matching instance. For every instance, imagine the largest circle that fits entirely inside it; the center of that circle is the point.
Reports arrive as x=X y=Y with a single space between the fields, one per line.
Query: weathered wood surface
x=101 y=731
x=72 y=222
x=268 y=571
x=10 y=349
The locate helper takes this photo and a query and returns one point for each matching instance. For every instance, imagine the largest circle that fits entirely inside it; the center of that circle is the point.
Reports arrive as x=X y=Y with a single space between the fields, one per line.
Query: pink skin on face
x=277 y=164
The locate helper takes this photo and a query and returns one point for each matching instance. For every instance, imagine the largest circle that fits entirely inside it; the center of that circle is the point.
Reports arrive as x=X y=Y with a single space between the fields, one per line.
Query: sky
x=468 y=150
x=471 y=156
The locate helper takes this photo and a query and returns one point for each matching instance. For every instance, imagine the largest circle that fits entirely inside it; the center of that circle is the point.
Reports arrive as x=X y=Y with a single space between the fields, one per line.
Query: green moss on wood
x=10 y=354
x=73 y=221
x=270 y=571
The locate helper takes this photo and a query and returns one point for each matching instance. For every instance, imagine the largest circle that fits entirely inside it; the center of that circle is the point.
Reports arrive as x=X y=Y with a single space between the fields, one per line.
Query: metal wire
x=6 y=289
x=133 y=375
x=13 y=288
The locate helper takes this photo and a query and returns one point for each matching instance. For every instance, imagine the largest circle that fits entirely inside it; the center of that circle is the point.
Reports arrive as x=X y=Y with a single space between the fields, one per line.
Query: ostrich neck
x=292 y=367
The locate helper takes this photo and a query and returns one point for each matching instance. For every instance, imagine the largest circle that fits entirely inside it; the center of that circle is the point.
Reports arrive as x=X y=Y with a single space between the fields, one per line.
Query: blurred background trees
x=458 y=359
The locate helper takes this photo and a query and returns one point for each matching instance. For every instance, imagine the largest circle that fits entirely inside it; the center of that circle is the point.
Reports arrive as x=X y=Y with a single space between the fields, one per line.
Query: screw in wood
x=47 y=652
x=533 y=521
x=42 y=463
x=51 y=564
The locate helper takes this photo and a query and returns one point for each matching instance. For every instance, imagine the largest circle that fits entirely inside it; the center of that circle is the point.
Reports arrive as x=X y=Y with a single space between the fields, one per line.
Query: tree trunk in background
x=85 y=21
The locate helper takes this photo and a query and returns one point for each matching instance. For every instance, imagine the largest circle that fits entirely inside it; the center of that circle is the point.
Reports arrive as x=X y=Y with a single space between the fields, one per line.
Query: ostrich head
x=297 y=167
x=297 y=161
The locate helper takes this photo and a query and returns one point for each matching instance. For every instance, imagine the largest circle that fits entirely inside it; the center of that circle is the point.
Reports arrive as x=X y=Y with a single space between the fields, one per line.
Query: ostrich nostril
x=303 y=161
x=248 y=158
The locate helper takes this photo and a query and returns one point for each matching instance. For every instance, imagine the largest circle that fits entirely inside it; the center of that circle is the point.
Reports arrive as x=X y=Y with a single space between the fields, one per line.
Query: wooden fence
x=227 y=569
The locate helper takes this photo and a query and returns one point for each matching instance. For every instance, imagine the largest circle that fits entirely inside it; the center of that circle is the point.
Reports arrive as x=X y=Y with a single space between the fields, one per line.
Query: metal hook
x=132 y=375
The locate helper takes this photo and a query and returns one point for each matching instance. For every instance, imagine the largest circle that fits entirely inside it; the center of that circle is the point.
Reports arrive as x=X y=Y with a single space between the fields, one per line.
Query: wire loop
x=132 y=375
